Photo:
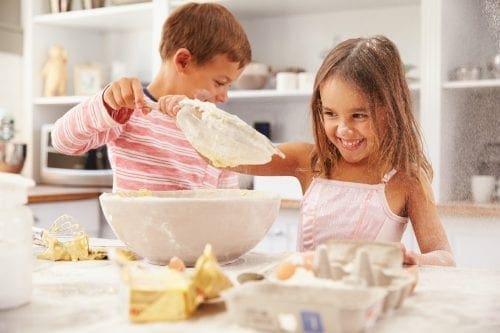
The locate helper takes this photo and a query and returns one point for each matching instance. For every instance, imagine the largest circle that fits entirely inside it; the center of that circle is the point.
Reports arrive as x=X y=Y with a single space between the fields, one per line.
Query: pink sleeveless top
x=333 y=209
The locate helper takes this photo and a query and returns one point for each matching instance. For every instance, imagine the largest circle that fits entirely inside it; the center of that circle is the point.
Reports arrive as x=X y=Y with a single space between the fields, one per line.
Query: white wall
x=275 y=39
x=11 y=87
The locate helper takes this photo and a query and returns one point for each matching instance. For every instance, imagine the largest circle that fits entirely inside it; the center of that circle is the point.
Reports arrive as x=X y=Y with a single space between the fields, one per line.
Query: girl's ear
x=182 y=58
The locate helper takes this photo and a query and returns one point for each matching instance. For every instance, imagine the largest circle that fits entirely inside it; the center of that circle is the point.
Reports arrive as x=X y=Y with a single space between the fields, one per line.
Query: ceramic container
x=161 y=225
x=16 y=258
x=482 y=187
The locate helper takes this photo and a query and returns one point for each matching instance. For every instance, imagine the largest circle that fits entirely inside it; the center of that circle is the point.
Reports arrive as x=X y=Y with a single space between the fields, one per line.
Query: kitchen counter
x=84 y=297
x=458 y=208
x=44 y=193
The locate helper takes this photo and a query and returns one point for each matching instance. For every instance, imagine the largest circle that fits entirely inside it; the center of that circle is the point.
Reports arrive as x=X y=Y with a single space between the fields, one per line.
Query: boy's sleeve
x=86 y=126
x=228 y=179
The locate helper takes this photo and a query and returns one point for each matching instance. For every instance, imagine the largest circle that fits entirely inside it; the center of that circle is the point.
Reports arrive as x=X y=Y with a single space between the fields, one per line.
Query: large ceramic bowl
x=160 y=225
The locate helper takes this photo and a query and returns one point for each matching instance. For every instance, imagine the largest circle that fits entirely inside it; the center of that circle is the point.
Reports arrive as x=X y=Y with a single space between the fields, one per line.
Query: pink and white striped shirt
x=148 y=151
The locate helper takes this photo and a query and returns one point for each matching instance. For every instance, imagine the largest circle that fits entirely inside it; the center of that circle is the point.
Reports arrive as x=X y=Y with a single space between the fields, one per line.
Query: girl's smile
x=347 y=120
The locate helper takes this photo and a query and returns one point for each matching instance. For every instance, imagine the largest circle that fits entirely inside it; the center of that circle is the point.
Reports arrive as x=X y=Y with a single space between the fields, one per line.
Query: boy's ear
x=182 y=58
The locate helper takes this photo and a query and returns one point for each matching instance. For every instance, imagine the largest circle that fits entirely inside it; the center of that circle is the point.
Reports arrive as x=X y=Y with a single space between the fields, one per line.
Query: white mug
x=306 y=81
x=482 y=188
x=286 y=81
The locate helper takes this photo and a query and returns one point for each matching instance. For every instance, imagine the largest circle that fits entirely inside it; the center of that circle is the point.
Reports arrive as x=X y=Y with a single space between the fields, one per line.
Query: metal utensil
x=65 y=228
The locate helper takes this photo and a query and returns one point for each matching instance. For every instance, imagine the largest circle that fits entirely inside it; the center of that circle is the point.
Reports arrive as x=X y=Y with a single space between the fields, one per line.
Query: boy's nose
x=221 y=96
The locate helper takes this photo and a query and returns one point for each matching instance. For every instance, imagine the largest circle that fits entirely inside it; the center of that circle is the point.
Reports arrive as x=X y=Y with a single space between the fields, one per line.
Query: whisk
x=64 y=228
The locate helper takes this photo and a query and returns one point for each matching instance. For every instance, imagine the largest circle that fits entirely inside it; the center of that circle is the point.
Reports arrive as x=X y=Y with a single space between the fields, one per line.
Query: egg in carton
x=366 y=264
x=343 y=286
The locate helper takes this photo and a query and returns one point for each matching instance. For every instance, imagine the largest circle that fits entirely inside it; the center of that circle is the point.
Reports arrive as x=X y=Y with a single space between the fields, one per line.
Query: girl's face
x=347 y=120
x=211 y=81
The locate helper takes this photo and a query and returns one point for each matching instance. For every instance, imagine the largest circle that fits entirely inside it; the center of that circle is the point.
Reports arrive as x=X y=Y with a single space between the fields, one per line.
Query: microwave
x=89 y=169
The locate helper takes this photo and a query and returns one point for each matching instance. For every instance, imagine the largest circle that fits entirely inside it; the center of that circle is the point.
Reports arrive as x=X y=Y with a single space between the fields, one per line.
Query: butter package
x=208 y=276
x=75 y=249
x=159 y=293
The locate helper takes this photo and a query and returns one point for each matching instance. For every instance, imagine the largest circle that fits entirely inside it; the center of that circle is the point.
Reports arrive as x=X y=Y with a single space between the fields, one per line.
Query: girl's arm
x=295 y=162
x=430 y=234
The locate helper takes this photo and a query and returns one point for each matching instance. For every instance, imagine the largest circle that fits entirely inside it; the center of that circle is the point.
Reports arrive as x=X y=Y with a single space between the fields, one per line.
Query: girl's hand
x=410 y=257
x=169 y=104
x=122 y=97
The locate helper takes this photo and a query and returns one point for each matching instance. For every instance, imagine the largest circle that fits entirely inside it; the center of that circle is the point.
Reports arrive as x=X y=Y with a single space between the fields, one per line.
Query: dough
x=223 y=138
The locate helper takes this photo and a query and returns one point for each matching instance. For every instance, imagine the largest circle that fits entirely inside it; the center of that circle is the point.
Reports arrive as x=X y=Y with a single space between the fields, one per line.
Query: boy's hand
x=122 y=97
x=169 y=104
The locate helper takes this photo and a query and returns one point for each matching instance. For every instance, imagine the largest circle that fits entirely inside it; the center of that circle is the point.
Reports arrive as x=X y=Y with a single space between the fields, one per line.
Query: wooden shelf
x=111 y=18
x=490 y=83
x=465 y=208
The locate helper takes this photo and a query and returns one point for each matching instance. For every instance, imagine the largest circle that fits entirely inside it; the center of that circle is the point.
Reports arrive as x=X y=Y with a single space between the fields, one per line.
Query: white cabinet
x=282 y=237
x=86 y=212
x=459 y=117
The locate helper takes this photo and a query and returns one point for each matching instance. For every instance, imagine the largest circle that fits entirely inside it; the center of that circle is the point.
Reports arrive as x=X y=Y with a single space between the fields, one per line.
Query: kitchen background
x=449 y=45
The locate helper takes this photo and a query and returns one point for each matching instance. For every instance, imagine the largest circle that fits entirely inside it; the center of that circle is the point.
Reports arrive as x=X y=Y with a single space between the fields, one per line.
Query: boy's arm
x=100 y=119
x=86 y=126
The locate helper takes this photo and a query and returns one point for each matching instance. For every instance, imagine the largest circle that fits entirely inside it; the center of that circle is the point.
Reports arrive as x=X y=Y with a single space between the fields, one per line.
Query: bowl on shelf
x=161 y=225
x=12 y=156
x=254 y=76
x=466 y=72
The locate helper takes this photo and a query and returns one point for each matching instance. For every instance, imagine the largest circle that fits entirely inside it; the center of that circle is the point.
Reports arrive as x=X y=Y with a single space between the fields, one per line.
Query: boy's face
x=210 y=81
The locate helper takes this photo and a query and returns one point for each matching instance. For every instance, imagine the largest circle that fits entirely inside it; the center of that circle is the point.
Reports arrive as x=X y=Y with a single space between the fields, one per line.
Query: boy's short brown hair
x=206 y=30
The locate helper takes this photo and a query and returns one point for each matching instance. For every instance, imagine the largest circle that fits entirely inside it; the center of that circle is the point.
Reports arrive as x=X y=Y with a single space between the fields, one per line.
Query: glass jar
x=16 y=245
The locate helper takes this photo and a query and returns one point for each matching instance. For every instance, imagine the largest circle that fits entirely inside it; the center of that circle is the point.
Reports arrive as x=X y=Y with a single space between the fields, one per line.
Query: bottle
x=16 y=244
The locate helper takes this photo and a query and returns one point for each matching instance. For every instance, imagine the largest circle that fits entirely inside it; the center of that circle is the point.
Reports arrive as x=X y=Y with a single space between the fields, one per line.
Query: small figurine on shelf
x=54 y=72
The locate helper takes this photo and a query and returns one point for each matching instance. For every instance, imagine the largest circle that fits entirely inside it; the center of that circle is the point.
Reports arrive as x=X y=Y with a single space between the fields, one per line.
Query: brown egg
x=307 y=260
x=177 y=264
x=285 y=270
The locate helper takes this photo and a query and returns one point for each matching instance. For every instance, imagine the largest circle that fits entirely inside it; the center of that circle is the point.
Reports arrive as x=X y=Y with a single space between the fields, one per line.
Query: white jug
x=16 y=249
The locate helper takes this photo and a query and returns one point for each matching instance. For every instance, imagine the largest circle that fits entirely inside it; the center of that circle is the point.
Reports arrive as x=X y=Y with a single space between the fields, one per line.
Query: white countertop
x=84 y=297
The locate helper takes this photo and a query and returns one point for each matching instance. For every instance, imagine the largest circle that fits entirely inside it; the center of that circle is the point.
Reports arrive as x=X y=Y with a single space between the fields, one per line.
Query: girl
x=366 y=175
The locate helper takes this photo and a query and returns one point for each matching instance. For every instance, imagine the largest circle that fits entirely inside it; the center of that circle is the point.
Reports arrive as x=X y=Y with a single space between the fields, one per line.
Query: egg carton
x=350 y=285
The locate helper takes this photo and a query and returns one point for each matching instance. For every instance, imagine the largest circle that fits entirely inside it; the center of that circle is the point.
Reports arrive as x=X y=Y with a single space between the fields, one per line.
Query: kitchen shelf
x=263 y=8
x=112 y=18
x=234 y=95
x=490 y=83
x=268 y=94
x=59 y=100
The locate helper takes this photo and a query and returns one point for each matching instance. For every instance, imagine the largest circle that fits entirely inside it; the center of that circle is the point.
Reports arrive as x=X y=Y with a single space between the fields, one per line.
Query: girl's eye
x=329 y=114
x=218 y=83
x=360 y=116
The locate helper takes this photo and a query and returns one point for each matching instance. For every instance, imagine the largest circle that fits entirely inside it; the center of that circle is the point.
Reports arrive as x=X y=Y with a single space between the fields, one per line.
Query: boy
x=203 y=49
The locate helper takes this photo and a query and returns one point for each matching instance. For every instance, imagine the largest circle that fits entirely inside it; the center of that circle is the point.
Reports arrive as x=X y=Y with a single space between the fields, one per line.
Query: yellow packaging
x=208 y=277
x=164 y=295
x=158 y=293
x=75 y=249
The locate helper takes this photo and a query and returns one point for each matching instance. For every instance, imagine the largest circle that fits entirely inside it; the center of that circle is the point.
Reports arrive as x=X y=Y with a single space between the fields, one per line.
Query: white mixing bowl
x=180 y=223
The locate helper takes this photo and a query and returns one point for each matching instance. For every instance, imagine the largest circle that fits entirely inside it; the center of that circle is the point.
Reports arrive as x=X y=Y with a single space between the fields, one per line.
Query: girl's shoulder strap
x=388 y=176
